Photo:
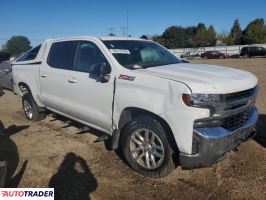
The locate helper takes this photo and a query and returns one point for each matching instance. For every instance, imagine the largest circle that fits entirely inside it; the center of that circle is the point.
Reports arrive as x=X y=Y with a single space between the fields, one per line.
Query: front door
x=91 y=100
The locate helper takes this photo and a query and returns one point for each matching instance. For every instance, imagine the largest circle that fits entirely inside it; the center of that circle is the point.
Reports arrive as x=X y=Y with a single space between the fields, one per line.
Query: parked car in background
x=6 y=75
x=4 y=56
x=253 y=51
x=214 y=55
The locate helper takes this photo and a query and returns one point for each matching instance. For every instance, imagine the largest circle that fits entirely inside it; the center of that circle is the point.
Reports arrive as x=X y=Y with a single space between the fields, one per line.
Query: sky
x=42 y=19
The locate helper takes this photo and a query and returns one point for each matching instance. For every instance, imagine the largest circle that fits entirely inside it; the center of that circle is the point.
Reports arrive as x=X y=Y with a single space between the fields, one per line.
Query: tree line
x=16 y=45
x=201 y=36
x=179 y=37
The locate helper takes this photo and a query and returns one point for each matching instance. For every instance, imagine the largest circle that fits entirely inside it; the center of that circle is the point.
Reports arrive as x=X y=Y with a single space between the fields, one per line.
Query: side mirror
x=101 y=71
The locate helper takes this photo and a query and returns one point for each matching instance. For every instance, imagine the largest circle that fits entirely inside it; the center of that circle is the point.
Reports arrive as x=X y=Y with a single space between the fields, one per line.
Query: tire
x=131 y=141
x=30 y=108
x=247 y=56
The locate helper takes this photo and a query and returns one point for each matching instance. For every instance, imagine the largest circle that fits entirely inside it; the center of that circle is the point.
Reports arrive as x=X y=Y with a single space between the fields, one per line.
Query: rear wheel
x=146 y=147
x=30 y=108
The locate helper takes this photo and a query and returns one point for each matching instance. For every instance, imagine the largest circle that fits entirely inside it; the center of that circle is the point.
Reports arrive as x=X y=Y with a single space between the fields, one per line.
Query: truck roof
x=118 y=38
x=104 y=38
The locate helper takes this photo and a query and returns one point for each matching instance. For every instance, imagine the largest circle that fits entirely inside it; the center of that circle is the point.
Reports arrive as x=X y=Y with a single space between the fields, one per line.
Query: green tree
x=174 y=37
x=144 y=37
x=223 y=37
x=111 y=34
x=205 y=37
x=185 y=37
x=160 y=39
x=235 y=36
x=190 y=33
x=255 y=32
x=17 y=45
x=201 y=36
x=211 y=36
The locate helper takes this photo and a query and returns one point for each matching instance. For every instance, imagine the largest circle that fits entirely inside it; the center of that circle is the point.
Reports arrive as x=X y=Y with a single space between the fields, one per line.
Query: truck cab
x=158 y=110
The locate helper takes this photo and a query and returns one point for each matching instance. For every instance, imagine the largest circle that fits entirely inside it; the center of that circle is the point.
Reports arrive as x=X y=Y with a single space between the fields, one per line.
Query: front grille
x=239 y=95
x=236 y=121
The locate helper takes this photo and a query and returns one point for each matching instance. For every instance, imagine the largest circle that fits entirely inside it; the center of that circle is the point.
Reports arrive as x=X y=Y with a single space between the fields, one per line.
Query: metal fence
x=231 y=50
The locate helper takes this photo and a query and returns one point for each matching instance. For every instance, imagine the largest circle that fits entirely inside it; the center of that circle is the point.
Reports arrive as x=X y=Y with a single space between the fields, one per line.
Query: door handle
x=72 y=80
x=44 y=75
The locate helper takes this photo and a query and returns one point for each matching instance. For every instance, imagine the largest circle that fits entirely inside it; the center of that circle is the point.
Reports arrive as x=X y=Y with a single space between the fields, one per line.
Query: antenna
x=111 y=31
x=127 y=23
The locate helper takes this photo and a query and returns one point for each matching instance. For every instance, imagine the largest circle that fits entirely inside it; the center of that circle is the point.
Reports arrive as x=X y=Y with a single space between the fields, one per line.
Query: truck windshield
x=134 y=54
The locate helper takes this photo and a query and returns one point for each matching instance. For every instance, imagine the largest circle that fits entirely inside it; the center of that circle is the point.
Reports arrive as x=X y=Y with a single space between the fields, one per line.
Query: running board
x=84 y=129
x=102 y=138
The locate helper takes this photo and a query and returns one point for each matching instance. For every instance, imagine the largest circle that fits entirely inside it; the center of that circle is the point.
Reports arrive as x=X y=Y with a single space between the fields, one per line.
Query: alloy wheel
x=147 y=148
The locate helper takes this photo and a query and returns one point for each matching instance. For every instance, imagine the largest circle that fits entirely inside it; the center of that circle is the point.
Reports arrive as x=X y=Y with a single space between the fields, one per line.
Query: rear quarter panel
x=29 y=75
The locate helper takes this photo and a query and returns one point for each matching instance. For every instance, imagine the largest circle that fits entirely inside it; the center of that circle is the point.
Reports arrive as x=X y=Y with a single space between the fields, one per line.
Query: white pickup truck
x=159 y=111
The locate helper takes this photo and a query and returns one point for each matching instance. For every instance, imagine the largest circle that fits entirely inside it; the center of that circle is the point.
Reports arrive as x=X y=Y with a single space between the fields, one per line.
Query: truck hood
x=203 y=78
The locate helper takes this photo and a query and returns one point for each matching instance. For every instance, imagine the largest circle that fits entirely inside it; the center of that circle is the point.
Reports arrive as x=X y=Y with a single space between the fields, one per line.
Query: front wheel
x=31 y=109
x=247 y=56
x=146 y=147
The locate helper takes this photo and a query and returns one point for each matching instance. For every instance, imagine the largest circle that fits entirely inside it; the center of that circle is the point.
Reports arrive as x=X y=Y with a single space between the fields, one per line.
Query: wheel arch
x=25 y=88
x=130 y=113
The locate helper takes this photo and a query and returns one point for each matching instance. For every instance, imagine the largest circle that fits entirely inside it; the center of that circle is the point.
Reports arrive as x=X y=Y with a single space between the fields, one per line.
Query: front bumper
x=214 y=142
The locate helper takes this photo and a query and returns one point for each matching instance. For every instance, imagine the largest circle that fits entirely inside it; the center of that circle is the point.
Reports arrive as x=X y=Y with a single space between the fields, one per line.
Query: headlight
x=201 y=99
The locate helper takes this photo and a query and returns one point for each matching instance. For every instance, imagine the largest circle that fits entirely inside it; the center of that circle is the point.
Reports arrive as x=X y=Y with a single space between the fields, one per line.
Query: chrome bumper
x=214 y=142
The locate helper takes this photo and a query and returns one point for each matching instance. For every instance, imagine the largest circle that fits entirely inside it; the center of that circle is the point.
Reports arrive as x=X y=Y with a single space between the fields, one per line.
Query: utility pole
x=127 y=23
x=123 y=28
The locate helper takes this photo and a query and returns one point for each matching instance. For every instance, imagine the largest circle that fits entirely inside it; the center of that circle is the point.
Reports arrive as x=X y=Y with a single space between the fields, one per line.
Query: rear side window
x=61 y=55
x=30 y=55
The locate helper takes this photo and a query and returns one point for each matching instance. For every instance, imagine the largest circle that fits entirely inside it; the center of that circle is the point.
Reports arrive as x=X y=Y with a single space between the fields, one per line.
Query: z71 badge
x=126 y=77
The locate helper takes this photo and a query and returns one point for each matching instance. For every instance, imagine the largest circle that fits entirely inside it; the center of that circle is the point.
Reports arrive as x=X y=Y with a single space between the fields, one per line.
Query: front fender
x=162 y=97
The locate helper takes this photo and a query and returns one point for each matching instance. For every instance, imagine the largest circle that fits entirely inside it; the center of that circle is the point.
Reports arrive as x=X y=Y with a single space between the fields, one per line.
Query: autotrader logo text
x=27 y=193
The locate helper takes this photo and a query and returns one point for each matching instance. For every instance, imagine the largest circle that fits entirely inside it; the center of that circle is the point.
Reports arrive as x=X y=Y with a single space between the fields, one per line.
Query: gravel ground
x=55 y=153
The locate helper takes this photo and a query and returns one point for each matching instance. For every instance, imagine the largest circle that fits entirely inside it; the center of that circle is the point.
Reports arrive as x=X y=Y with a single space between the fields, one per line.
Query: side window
x=61 y=55
x=30 y=55
x=88 y=55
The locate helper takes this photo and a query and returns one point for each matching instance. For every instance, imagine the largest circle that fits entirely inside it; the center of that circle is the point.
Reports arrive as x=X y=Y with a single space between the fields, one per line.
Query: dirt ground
x=56 y=153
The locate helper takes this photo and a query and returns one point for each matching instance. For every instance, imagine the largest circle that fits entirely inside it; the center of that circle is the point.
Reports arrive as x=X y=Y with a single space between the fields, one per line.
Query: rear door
x=53 y=75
